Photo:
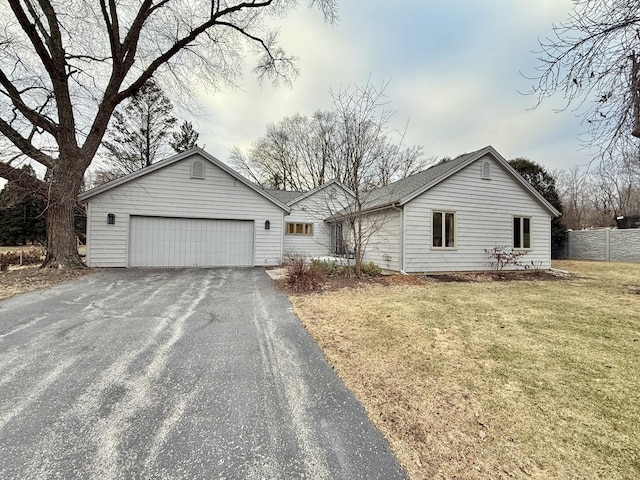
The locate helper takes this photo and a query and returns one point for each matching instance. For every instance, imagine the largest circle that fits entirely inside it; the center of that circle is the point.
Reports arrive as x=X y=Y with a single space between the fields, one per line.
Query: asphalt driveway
x=194 y=373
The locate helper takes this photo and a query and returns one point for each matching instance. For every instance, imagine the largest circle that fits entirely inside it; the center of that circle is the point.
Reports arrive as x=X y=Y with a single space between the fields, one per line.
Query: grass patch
x=526 y=379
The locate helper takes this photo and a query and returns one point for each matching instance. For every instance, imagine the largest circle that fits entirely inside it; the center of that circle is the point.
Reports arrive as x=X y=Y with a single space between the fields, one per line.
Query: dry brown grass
x=527 y=379
x=19 y=280
x=24 y=279
x=82 y=249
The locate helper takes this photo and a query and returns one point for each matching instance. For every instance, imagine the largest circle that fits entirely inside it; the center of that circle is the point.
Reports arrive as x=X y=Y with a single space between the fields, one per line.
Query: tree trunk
x=62 y=248
x=358 y=253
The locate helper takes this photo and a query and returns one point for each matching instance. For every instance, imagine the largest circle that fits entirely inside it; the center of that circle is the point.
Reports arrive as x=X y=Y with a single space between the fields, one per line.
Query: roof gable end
x=468 y=159
x=175 y=159
x=320 y=188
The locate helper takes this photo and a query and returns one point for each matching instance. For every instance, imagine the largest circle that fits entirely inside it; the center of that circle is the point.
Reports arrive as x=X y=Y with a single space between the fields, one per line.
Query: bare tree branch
x=591 y=62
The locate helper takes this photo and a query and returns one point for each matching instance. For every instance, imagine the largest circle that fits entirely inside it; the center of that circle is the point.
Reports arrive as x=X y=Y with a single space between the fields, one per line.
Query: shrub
x=370 y=269
x=328 y=268
x=302 y=276
x=331 y=269
x=501 y=257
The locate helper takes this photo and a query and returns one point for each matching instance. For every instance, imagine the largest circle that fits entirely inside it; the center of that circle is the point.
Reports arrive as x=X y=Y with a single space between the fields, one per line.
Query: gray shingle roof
x=285 y=196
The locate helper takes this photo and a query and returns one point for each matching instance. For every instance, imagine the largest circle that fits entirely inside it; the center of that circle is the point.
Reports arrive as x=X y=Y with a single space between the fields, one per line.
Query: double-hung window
x=443 y=230
x=521 y=232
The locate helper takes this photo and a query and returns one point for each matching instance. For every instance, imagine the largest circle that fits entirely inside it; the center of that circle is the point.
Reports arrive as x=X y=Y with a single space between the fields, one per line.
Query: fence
x=606 y=244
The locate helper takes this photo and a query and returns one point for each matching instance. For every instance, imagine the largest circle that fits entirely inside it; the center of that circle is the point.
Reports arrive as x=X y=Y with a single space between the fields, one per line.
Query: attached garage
x=190 y=210
x=190 y=242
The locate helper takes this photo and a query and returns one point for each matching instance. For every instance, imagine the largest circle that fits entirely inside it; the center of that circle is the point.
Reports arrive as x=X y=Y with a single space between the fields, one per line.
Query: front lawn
x=522 y=379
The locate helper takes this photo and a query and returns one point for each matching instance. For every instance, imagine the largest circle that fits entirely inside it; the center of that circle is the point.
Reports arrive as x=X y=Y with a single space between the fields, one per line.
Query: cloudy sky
x=455 y=69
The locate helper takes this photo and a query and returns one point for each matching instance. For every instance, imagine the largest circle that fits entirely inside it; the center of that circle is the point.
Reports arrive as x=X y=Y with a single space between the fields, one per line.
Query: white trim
x=87 y=257
x=403 y=227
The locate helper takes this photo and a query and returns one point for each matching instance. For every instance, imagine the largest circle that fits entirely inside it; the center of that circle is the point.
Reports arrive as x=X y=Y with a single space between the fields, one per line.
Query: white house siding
x=171 y=192
x=485 y=211
x=314 y=209
x=382 y=235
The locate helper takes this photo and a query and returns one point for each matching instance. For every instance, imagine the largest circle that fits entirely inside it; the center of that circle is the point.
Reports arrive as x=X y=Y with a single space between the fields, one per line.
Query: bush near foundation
x=302 y=276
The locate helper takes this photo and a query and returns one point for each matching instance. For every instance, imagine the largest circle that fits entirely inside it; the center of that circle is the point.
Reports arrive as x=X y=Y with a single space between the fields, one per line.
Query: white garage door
x=190 y=242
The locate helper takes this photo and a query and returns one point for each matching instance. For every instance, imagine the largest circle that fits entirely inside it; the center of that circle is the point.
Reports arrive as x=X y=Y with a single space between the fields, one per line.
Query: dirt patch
x=493 y=276
x=338 y=282
x=19 y=280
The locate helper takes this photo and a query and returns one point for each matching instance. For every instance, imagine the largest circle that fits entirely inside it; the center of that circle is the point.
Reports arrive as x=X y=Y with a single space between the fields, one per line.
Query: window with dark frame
x=443 y=233
x=521 y=232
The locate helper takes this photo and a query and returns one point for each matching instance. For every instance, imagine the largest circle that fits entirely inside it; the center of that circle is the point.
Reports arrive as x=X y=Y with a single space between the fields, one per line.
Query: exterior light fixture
x=267 y=225
x=111 y=219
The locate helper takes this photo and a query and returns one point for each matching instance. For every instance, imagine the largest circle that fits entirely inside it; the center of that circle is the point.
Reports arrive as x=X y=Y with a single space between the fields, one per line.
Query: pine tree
x=139 y=132
x=21 y=214
x=185 y=138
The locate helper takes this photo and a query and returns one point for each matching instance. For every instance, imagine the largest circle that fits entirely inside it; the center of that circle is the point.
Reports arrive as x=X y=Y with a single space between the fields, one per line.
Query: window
x=486 y=170
x=197 y=169
x=521 y=232
x=443 y=230
x=299 y=228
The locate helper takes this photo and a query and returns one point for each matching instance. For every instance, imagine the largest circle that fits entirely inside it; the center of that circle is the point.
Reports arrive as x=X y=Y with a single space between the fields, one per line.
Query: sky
x=456 y=70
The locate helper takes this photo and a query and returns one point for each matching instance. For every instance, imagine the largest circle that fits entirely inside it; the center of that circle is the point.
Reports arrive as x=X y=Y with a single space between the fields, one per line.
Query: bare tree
x=66 y=66
x=294 y=154
x=595 y=198
x=357 y=147
x=367 y=158
x=572 y=189
x=592 y=62
x=102 y=175
x=354 y=143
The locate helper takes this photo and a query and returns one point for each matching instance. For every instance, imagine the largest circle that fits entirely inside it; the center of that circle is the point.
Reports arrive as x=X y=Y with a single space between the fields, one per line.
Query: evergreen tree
x=21 y=214
x=185 y=138
x=139 y=132
x=545 y=184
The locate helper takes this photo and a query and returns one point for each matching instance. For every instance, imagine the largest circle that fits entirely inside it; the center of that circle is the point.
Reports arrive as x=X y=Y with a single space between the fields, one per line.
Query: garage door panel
x=188 y=242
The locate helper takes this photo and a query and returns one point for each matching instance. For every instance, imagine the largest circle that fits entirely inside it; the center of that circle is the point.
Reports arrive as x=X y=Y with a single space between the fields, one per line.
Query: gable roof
x=291 y=197
x=322 y=187
x=403 y=191
x=178 y=158
x=285 y=196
